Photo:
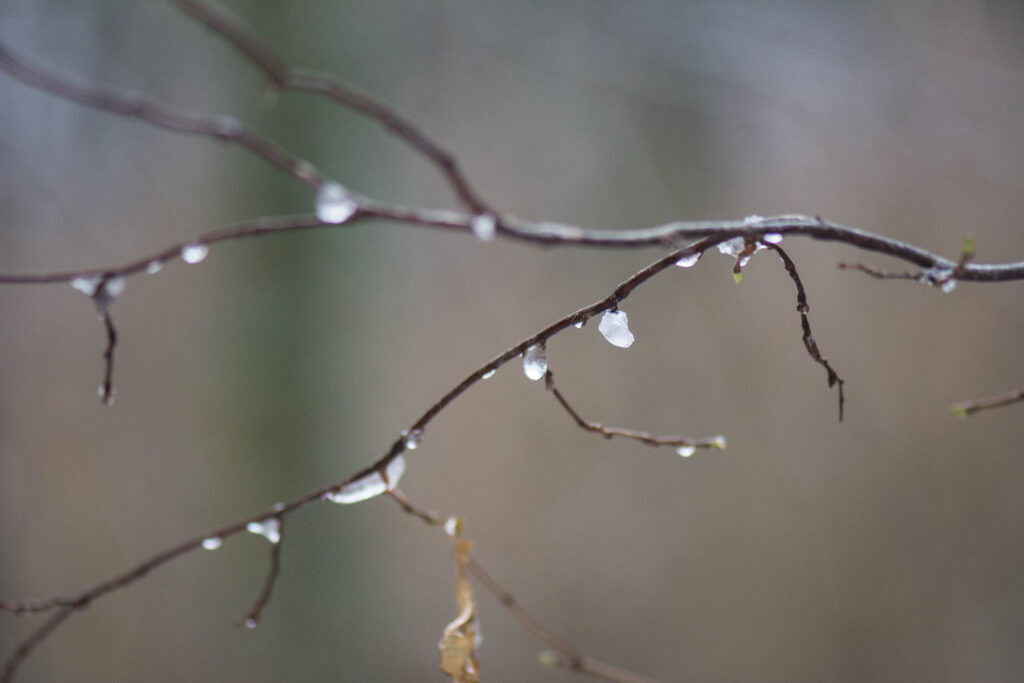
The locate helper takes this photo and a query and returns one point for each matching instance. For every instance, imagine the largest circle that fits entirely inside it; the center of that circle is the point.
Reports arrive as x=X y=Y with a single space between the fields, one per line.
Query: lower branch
x=966 y=408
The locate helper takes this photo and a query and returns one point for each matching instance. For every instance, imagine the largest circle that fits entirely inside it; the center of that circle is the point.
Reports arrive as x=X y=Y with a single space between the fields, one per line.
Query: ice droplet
x=686 y=451
x=453 y=526
x=86 y=284
x=484 y=226
x=154 y=266
x=535 y=364
x=489 y=374
x=614 y=327
x=948 y=286
x=250 y=622
x=269 y=528
x=413 y=439
x=370 y=485
x=772 y=237
x=752 y=219
x=334 y=204
x=213 y=542
x=194 y=253
x=113 y=288
x=689 y=261
x=579 y=324
x=732 y=247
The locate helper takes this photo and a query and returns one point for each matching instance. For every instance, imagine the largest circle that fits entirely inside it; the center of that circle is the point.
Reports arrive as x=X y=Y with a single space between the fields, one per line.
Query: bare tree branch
x=966 y=408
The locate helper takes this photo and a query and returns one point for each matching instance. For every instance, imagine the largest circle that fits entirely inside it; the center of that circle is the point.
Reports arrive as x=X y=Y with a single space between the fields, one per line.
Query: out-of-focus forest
x=888 y=547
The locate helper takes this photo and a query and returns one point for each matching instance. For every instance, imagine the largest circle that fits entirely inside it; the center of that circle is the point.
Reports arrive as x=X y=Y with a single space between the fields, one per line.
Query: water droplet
x=686 y=451
x=948 y=286
x=370 y=485
x=213 y=542
x=413 y=439
x=194 y=253
x=250 y=622
x=772 y=237
x=154 y=266
x=753 y=219
x=484 y=226
x=269 y=528
x=86 y=284
x=535 y=364
x=453 y=526
x=112 y=288
x=744 y=260
x=106 y=396
x=689 y=261
x=732 y=247
x=579 y=324
x=718 y=442
x=489 y=374
x=227 y=126
x=614 y=327
x=334 y=204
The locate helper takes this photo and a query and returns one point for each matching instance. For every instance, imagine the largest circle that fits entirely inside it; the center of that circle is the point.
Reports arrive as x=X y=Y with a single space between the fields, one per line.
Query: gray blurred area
x=886 y=548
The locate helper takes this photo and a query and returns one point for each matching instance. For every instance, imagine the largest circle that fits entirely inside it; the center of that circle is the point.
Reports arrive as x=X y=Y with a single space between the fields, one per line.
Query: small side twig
x=803 y=309
x=965 y=408
x=107 y=387
x=252 y=618
x=25 y=647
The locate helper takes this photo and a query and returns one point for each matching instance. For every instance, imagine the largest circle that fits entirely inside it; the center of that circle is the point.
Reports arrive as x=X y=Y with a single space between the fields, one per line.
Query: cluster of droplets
x=941 y=277
x=100 y=289
x=269 y=528
x=369 y=485
x=687 y=450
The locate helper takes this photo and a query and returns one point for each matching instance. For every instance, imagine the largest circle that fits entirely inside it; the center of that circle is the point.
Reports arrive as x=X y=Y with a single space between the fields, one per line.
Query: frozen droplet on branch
x=154 y=266
x=732 y=247
x=686 y=451
x=535 y=363
x=213 y=542
x=489 y=374
x=753 y=219
x=614 y=327
x=948 y=286
x=334 y=204
x=484 y=225
x=370 y=485
x=194 y=253
x=689 y=261
x=269 y=528
x=579 y=324
x=86 y=284
x=113 y=287
x=413 y=439
x=772 y=237
x=453 y=526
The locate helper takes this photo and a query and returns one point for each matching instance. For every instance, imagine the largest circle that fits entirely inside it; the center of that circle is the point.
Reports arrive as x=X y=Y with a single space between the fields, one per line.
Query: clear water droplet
x=213 y=542
x=334 y=204
x=579 y=324
x=86 y=284
x=753 y=219
x=614 y=327
x=113 y=288
x=772 y=237
x=535 y=363
x=269 y=528
x=732 y=247
x=413 y=439
x=686 y=451
x=689 y=261
x=484 y=225
x=154 y=266
x=370 y=485
x=948 y=286
x=453 y=526
x=194 y=253
x=489 y=374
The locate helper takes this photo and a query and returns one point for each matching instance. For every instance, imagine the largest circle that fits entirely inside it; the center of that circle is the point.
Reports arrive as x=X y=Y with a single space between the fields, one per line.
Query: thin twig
x=25 y=647
x=253 y=617
x=643 y=437
x=804 y=309
x=965 y=408
x=878 y=274
x=107 y=387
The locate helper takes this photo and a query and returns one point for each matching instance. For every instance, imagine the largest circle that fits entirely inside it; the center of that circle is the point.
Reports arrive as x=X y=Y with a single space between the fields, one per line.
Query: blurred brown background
x=888 y=547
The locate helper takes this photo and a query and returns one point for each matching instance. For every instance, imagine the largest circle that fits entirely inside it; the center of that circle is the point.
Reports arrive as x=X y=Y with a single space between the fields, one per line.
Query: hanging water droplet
x=535 y=364
x=753 y=219
x=194 y=253
x=213 y=542
x=334 y=204
x=948 y=286
x=614 y=327
x=154 y=266
x=453 y=526
x=484 y=225
x=579 y=324
x=413 y=439
x=370 y=485
x=690 y=260
x=489 y=374
x=732 y=247
x=269 y=528
x=86 y=284
x=686 y=451
x=250 y=622
x=772 y=237
x=106 y=396
x=112 y=288
x=744 y=260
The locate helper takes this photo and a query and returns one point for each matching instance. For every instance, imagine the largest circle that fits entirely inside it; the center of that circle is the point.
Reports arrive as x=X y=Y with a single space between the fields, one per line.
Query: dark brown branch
x=966 y=408
x=107 y=387
x=285 y=77
x=643 y=437
x=803 y=309
x=25 y=647
x=253 y=617
x=226 y=128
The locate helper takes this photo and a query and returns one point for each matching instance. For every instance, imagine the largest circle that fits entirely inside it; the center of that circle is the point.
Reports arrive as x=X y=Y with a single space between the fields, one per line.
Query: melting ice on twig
x=334 y=204
x=689 y=261
x=269 y=528
x=484 y=225
x=213 y=542
x=686 y=451
x=370 y=485
x=614 y=327
x=413 y=439
x=732 y=247
x=535 y=364
x=194 y=253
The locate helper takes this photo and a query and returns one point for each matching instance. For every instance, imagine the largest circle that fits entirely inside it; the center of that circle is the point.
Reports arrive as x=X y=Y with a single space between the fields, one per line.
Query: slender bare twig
x=25 y=647
x=966 y=408
x=285 y=77
x=804 y=309
x=878 y=274
x=643 y=437
x=252 y=618
x=107 y=387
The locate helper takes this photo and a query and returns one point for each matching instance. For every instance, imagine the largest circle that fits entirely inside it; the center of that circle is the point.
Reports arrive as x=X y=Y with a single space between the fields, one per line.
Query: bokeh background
x=888 y=547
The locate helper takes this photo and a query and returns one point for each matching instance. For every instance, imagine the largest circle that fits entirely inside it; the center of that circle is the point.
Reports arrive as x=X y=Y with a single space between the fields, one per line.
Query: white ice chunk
x=689 y=261
x=535 y=364
x=614 y=327
x=269 y=528
x=194 y=253
x=370 y=485
x=334 y=204
x=484 y=226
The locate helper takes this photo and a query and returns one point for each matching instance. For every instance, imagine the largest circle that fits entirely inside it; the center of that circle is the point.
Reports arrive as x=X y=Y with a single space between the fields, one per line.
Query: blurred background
x=888 y=547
